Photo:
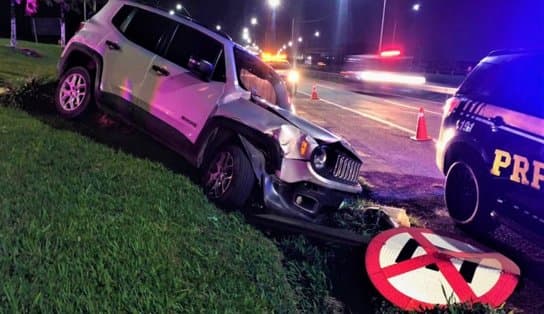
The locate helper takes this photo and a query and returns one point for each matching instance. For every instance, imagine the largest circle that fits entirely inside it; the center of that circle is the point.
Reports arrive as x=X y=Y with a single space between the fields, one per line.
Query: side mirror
x=202 y=68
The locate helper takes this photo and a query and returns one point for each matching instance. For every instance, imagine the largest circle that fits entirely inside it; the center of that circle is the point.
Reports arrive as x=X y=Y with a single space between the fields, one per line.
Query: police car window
x=526 y=85
x=516 y=85
x=483 y=84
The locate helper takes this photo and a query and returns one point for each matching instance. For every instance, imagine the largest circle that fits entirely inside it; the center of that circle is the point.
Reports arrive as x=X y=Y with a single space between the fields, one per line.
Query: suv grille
x=346 y=169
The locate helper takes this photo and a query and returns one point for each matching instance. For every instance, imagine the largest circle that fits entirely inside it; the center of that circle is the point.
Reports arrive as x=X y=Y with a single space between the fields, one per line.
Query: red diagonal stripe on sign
x=456 y=281
x=423 y=241
x=408 y=265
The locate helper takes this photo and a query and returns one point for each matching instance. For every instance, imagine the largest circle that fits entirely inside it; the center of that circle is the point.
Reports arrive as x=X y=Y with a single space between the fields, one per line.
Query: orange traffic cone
x=314 y=93
x=421 y=129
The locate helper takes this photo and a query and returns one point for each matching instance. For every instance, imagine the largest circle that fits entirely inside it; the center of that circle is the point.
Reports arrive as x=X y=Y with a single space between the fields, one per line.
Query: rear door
x=177 y=97
x=128 y=53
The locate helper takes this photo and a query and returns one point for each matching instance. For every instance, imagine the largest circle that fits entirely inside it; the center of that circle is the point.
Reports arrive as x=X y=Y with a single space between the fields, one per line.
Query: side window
x=149 y=30
x=188 y=42
x=525 y=86
x=220 y=72
x=121 y=18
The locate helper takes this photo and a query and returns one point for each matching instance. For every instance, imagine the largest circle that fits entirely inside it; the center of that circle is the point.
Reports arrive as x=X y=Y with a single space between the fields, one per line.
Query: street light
x=254 y=21
x=218 y=27
x=179 y=7
x=274 y=3
x=416 y=7
x=300 y=39
x=290 y=44
x=284 y=47
x=245 y=30
x=171 y=12
x=317 y=34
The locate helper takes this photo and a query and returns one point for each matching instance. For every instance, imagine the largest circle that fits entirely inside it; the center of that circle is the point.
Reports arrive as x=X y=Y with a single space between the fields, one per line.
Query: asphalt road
x=380 y=127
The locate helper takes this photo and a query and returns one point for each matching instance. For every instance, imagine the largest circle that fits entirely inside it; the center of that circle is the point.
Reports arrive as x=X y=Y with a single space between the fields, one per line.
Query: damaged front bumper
x=303 y=200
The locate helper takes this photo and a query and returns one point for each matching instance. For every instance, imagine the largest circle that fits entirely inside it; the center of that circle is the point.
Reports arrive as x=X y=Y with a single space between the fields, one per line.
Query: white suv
x=211 y=101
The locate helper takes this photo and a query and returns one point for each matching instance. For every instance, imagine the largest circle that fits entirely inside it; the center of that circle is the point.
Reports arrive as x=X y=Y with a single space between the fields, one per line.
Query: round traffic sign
x=417 y=269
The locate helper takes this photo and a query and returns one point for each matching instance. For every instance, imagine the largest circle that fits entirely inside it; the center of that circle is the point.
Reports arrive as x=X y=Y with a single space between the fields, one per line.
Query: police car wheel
x=466 y=198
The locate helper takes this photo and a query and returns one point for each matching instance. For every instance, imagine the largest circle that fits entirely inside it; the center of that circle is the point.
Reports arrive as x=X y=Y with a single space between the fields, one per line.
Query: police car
x=491 y=145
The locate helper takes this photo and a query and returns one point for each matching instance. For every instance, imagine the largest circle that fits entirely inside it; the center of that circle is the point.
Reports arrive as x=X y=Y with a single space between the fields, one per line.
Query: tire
x=229 y=161
x=74 y=92
x=468 y=198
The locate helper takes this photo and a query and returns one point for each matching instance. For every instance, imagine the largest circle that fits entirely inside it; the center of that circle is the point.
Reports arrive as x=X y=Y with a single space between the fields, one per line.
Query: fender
x=460 y=145
x=63 y=64
x=219 y=130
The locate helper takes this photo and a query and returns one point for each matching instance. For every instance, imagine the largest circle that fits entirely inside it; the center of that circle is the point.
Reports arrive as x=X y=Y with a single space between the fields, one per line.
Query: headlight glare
x=293 y=76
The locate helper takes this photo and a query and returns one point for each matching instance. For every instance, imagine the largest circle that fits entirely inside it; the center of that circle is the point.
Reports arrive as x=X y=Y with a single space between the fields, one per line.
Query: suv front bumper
x=303 y=200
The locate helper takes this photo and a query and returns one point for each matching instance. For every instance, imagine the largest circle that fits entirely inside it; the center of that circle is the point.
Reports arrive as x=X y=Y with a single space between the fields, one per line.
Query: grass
x=15 y=67
x=87 y=228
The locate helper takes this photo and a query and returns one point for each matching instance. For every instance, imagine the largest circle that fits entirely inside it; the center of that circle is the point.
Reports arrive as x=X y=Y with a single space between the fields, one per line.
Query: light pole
x=383 y=22
x=274 y=5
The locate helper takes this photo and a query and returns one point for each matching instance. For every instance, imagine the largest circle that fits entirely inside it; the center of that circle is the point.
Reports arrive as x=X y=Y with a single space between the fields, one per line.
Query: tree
x=66 y=6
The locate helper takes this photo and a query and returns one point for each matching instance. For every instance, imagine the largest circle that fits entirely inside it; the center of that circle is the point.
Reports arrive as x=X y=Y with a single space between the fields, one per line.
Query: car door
x=128 y=52
x=515 y=118
x=179 y=99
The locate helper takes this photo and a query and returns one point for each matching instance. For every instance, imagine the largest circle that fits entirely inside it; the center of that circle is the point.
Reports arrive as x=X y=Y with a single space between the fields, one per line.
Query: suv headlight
x=293 y=76
x=319 y=157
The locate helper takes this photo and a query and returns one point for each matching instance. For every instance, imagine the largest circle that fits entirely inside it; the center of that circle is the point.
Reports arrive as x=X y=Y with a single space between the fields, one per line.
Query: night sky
x=441 y=30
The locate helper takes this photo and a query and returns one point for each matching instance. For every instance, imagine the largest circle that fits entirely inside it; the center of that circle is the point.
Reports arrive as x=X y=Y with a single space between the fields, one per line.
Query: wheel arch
x=81 y=55
x=262 y=150
x=467 y=151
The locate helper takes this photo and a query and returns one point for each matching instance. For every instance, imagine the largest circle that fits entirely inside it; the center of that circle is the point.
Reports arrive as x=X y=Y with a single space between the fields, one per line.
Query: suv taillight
x=451 y=104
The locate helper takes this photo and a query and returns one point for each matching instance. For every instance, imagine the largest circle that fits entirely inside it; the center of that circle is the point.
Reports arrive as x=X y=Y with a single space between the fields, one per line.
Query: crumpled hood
x=265 y=117
x=307 y=127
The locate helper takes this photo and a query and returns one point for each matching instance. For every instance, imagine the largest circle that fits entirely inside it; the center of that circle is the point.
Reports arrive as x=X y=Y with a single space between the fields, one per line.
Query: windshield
x=260 y=79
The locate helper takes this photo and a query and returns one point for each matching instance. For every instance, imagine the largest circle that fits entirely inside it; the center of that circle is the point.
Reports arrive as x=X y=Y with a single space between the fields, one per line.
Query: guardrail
x=428 y=87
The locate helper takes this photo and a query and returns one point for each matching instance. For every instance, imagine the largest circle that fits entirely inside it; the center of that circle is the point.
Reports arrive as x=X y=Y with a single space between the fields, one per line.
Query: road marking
x=368 y=116
x=398 y=104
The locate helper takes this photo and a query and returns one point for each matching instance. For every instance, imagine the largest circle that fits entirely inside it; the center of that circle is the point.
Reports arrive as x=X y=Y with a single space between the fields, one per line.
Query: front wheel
x=228 y=179
x=467 y=198
x=74 y=92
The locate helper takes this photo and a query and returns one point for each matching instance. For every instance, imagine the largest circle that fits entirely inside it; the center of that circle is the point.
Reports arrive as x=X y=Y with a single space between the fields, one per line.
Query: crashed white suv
x=211 y=101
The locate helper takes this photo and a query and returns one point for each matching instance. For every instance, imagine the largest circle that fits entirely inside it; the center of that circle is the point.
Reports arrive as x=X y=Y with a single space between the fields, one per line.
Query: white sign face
x=416 y=268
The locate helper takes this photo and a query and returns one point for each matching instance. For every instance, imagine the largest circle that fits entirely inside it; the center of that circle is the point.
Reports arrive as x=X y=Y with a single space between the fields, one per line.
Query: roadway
x=379 y=127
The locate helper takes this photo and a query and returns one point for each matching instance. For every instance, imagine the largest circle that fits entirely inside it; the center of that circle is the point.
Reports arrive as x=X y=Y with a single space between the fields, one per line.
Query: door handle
x=161 y=71
x=113 y=45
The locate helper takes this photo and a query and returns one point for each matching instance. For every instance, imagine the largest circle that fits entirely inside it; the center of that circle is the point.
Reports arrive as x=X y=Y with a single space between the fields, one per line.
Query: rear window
x=516 y=84
x=121 y=16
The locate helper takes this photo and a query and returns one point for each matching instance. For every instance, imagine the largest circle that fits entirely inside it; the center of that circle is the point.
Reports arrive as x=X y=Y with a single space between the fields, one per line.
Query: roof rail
x=156 y=4
x=501 y=52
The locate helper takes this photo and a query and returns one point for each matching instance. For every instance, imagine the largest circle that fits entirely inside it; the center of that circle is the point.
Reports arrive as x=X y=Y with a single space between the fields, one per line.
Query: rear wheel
x=467 y=197
x=228 y=179
x=74 y=92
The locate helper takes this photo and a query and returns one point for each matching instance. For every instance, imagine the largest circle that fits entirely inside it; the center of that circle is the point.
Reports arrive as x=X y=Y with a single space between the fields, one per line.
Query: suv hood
x=262 y=116
x=306 y=126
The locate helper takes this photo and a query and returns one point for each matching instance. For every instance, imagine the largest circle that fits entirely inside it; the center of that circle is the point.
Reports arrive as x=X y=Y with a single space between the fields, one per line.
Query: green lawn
x=86 y=228
x=15 y=67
